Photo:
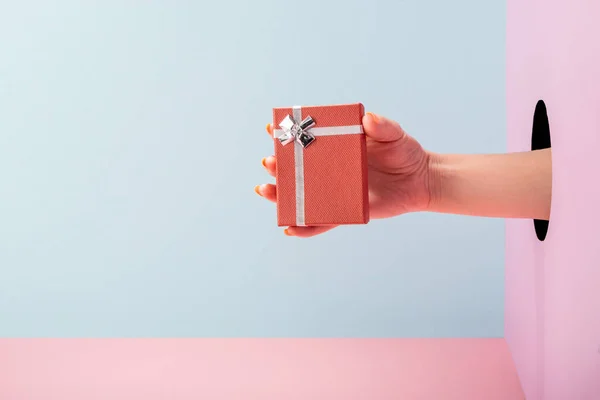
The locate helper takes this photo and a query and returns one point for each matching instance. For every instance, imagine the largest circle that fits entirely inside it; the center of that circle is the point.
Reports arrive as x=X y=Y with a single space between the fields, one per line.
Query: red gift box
x=321 y=165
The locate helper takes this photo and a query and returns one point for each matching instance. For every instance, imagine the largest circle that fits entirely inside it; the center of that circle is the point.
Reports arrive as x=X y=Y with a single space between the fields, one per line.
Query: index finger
x=270 y=129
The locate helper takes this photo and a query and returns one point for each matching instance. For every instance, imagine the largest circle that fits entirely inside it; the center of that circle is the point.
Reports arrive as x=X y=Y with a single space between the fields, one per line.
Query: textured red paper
x=335 y=170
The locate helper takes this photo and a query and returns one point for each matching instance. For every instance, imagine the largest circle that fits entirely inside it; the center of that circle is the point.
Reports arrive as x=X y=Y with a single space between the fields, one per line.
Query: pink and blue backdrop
x=132 y=267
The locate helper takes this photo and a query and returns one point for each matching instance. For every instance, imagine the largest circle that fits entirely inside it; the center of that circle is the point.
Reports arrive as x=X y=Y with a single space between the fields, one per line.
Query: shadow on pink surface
x=52 y=369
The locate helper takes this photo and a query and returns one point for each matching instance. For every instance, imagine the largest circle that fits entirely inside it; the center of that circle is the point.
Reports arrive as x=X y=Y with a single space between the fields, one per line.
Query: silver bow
x=292 y=130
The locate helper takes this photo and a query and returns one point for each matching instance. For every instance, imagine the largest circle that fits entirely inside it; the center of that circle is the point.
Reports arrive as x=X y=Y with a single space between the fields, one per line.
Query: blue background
x=131 y=135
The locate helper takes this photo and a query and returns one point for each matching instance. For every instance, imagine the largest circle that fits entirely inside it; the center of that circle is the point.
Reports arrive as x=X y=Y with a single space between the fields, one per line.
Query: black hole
x=540 y=139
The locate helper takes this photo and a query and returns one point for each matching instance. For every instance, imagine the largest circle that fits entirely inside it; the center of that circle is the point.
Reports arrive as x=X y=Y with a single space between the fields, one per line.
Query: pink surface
x=65 y=369
x=553 y=288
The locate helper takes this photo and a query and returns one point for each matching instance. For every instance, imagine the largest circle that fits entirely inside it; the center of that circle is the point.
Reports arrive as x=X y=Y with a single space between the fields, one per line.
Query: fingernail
x=256 y=189
x=287 y=232
x=375 y=117
x=264 y=162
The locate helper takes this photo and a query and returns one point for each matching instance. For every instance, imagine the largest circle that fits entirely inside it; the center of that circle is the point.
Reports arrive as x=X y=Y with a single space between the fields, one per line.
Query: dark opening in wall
x=540 y=139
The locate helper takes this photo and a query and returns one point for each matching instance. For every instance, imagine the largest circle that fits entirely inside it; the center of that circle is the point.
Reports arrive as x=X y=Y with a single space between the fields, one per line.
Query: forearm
x=513 y=185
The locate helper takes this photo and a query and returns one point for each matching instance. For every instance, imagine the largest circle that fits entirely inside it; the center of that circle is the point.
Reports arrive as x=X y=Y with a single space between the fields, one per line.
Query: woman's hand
x=398 y=173
x=403 y=178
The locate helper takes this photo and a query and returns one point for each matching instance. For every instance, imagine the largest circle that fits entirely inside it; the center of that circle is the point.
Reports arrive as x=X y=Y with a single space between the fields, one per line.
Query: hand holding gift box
x=341 y=167
x=326 y=189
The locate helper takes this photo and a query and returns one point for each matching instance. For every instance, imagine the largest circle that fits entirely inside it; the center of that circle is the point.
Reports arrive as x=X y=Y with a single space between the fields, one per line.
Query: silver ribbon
x=293 y=130
x=303 y=133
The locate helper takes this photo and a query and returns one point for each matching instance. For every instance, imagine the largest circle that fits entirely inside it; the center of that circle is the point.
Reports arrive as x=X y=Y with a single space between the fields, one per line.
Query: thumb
x=381 y=129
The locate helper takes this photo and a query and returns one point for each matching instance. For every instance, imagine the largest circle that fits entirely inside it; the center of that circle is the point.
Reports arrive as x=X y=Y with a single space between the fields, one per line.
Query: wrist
x=439 y=173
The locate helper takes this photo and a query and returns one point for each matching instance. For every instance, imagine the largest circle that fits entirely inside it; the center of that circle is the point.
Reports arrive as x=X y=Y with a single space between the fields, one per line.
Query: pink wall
x=553 y=288
x=69 y=369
